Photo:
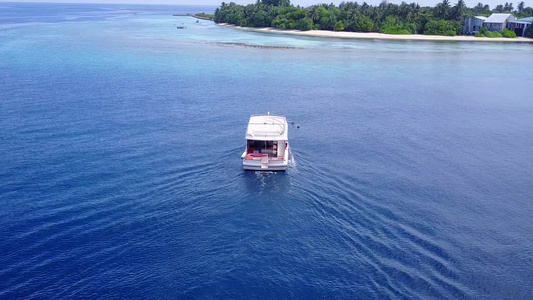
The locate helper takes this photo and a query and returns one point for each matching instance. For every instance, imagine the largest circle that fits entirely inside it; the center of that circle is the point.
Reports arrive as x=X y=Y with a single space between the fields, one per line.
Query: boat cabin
x=269 y=148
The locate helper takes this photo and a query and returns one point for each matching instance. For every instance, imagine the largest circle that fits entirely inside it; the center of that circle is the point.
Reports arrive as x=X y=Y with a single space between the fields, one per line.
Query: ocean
x=120 y=170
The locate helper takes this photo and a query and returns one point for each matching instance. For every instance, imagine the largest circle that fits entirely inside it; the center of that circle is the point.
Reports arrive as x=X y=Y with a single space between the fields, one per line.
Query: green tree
x=442 y=10
x=305 y=24
x=528 y=11
x=314 y=14
x=440 y=27
x=352 y=15
x=339 y=26
x=298 y=14
x=529 y=31
x=508 y=33
x=394 y=26
x=276 y=2
x=481 y=9
x=493 y=34
x=458 y=11
x=364 y=24
x=508 y=7
x=478 y=9
x=280 y=22
x=520 y=7
x=327 y=19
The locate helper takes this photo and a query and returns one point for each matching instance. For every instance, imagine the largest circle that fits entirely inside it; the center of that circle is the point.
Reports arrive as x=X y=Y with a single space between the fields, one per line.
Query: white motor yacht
x=267 y=144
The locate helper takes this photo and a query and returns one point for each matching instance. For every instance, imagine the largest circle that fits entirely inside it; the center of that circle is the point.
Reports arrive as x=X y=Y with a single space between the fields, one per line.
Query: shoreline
x=379 y=36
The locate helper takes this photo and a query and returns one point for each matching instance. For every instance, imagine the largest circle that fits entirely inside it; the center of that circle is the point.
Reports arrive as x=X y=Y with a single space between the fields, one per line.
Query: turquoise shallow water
x=120 y=171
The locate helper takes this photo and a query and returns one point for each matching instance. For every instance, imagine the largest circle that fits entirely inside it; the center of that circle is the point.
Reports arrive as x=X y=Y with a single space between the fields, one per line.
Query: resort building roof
x=497 y=18
x=527 y=20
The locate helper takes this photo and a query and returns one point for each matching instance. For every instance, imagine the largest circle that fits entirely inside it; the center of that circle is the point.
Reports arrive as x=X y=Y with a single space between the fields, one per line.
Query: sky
x=469 y=3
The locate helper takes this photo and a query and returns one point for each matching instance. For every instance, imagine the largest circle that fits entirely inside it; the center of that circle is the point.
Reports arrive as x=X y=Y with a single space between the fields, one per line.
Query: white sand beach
x=375 y=35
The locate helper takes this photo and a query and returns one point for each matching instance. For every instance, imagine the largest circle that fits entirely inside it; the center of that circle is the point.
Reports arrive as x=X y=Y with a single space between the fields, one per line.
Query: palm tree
x=478 y=8
x=375 y=15
x=459 y=10
x=418 y=11
x=314 y=14
x=352 y=15
x=520 y=7
x=508 y=7
x=330 y=21
x=442 y=10
x=404 y=10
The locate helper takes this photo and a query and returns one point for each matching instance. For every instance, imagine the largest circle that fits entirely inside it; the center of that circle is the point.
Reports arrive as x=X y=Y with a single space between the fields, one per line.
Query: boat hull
x=259 y=168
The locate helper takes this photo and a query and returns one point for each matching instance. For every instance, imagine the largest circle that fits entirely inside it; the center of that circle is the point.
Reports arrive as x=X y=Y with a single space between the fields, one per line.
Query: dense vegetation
x=493 y=34
x=508 y=33
x=490 y=34
x=443 y=19
x=204 y=15
x=529 y=31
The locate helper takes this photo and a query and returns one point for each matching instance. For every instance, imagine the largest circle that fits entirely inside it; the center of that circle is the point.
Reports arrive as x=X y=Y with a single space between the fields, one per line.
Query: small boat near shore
x=267 y=144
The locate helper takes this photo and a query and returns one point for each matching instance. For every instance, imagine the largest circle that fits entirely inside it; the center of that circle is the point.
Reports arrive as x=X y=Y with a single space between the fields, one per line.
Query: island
x=384 y=21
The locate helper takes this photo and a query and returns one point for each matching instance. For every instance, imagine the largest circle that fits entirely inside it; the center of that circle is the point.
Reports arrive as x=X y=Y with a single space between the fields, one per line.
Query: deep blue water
x=120 y=171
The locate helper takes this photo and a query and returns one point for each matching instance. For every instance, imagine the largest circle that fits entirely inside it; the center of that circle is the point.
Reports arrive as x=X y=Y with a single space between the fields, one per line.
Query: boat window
x=263 y=147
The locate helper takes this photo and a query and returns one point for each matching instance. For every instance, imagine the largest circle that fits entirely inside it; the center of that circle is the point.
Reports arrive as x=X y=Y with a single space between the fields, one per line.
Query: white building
x=473 y=24
x=519 y=26
x=498 y=22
